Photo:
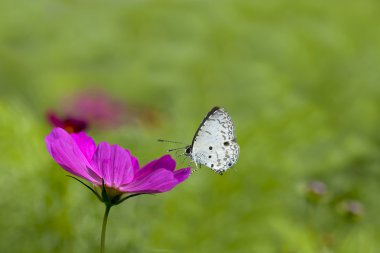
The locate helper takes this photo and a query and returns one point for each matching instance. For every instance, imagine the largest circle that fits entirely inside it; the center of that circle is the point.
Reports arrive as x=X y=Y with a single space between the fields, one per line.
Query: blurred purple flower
x=101 y=110
x=111 y=166
x=317 y=188
x=316 y=191
x=97 y=107
x=352 y=209
x=70 y=124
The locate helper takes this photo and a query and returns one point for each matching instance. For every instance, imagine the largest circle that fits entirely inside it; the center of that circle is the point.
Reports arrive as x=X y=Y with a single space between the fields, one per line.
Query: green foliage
x=300 y=79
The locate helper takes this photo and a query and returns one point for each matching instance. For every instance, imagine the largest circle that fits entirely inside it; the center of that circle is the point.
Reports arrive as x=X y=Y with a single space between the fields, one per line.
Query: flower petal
x=182 y=174
x=165 y=161
x=135 y=162
x=161 y=180
x=85 y=143
x=66 y=153
x=114 y=164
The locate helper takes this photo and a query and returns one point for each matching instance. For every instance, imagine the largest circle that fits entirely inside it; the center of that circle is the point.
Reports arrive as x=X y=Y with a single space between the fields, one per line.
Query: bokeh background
x=299 y=78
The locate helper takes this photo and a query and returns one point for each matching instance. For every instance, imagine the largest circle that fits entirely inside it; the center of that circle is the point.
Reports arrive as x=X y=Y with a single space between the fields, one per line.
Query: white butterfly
x=214 y=143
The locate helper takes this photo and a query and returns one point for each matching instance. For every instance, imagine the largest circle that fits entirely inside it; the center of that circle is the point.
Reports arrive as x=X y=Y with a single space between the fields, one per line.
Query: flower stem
x=104 y=226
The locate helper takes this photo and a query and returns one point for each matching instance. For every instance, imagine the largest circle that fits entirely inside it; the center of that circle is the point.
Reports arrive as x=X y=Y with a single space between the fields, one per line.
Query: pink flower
x=70 y=124
x=112 y=167
x=98 y=108
x=103 y=111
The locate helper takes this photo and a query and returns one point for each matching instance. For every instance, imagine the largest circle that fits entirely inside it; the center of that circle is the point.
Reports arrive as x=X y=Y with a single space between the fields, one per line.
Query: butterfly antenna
x=160 y=140
x=173 y=149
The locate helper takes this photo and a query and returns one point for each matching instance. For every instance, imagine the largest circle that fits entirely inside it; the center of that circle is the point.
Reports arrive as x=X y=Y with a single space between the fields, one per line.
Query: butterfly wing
x=214 y=144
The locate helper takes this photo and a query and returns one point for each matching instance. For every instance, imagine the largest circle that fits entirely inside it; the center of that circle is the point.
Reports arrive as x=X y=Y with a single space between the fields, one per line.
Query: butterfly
x=214 y=143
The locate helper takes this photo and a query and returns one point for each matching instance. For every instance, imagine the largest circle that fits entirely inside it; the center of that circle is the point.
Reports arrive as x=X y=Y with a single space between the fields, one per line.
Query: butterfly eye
x=187 y=151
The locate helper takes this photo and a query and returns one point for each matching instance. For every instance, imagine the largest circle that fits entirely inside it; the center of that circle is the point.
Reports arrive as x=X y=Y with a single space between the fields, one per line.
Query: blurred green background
x=299 y=78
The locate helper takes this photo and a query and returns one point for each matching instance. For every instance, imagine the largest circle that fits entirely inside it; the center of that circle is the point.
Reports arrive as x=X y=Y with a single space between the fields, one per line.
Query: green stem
x=104 y=226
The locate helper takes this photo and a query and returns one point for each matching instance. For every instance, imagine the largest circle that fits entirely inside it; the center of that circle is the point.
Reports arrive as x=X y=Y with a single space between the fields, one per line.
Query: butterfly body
x=214 y=143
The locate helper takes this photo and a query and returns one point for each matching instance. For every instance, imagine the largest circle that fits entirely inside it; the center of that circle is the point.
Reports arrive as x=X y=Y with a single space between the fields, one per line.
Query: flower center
x=69 y=128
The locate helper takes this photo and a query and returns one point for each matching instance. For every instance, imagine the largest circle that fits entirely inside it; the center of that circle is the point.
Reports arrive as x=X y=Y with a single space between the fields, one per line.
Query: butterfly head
x=188 y=150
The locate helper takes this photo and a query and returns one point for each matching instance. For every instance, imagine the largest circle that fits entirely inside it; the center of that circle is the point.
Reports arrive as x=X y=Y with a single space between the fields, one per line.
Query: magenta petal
x=135 y=162
x=85 y=143
x=157 y=176
x=66 y=153
x=78 y=154
x=114 y=163
x=182 y=174
x=161 y=180
x=165 y=161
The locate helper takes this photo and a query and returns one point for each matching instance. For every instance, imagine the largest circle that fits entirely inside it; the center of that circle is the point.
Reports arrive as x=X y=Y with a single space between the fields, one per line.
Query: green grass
x=299 y=78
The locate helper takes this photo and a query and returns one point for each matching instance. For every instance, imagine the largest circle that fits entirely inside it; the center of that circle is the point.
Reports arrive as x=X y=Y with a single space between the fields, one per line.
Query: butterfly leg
x=178 y=155
x=183 y=160
x=219 y=172
x=196 y=168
